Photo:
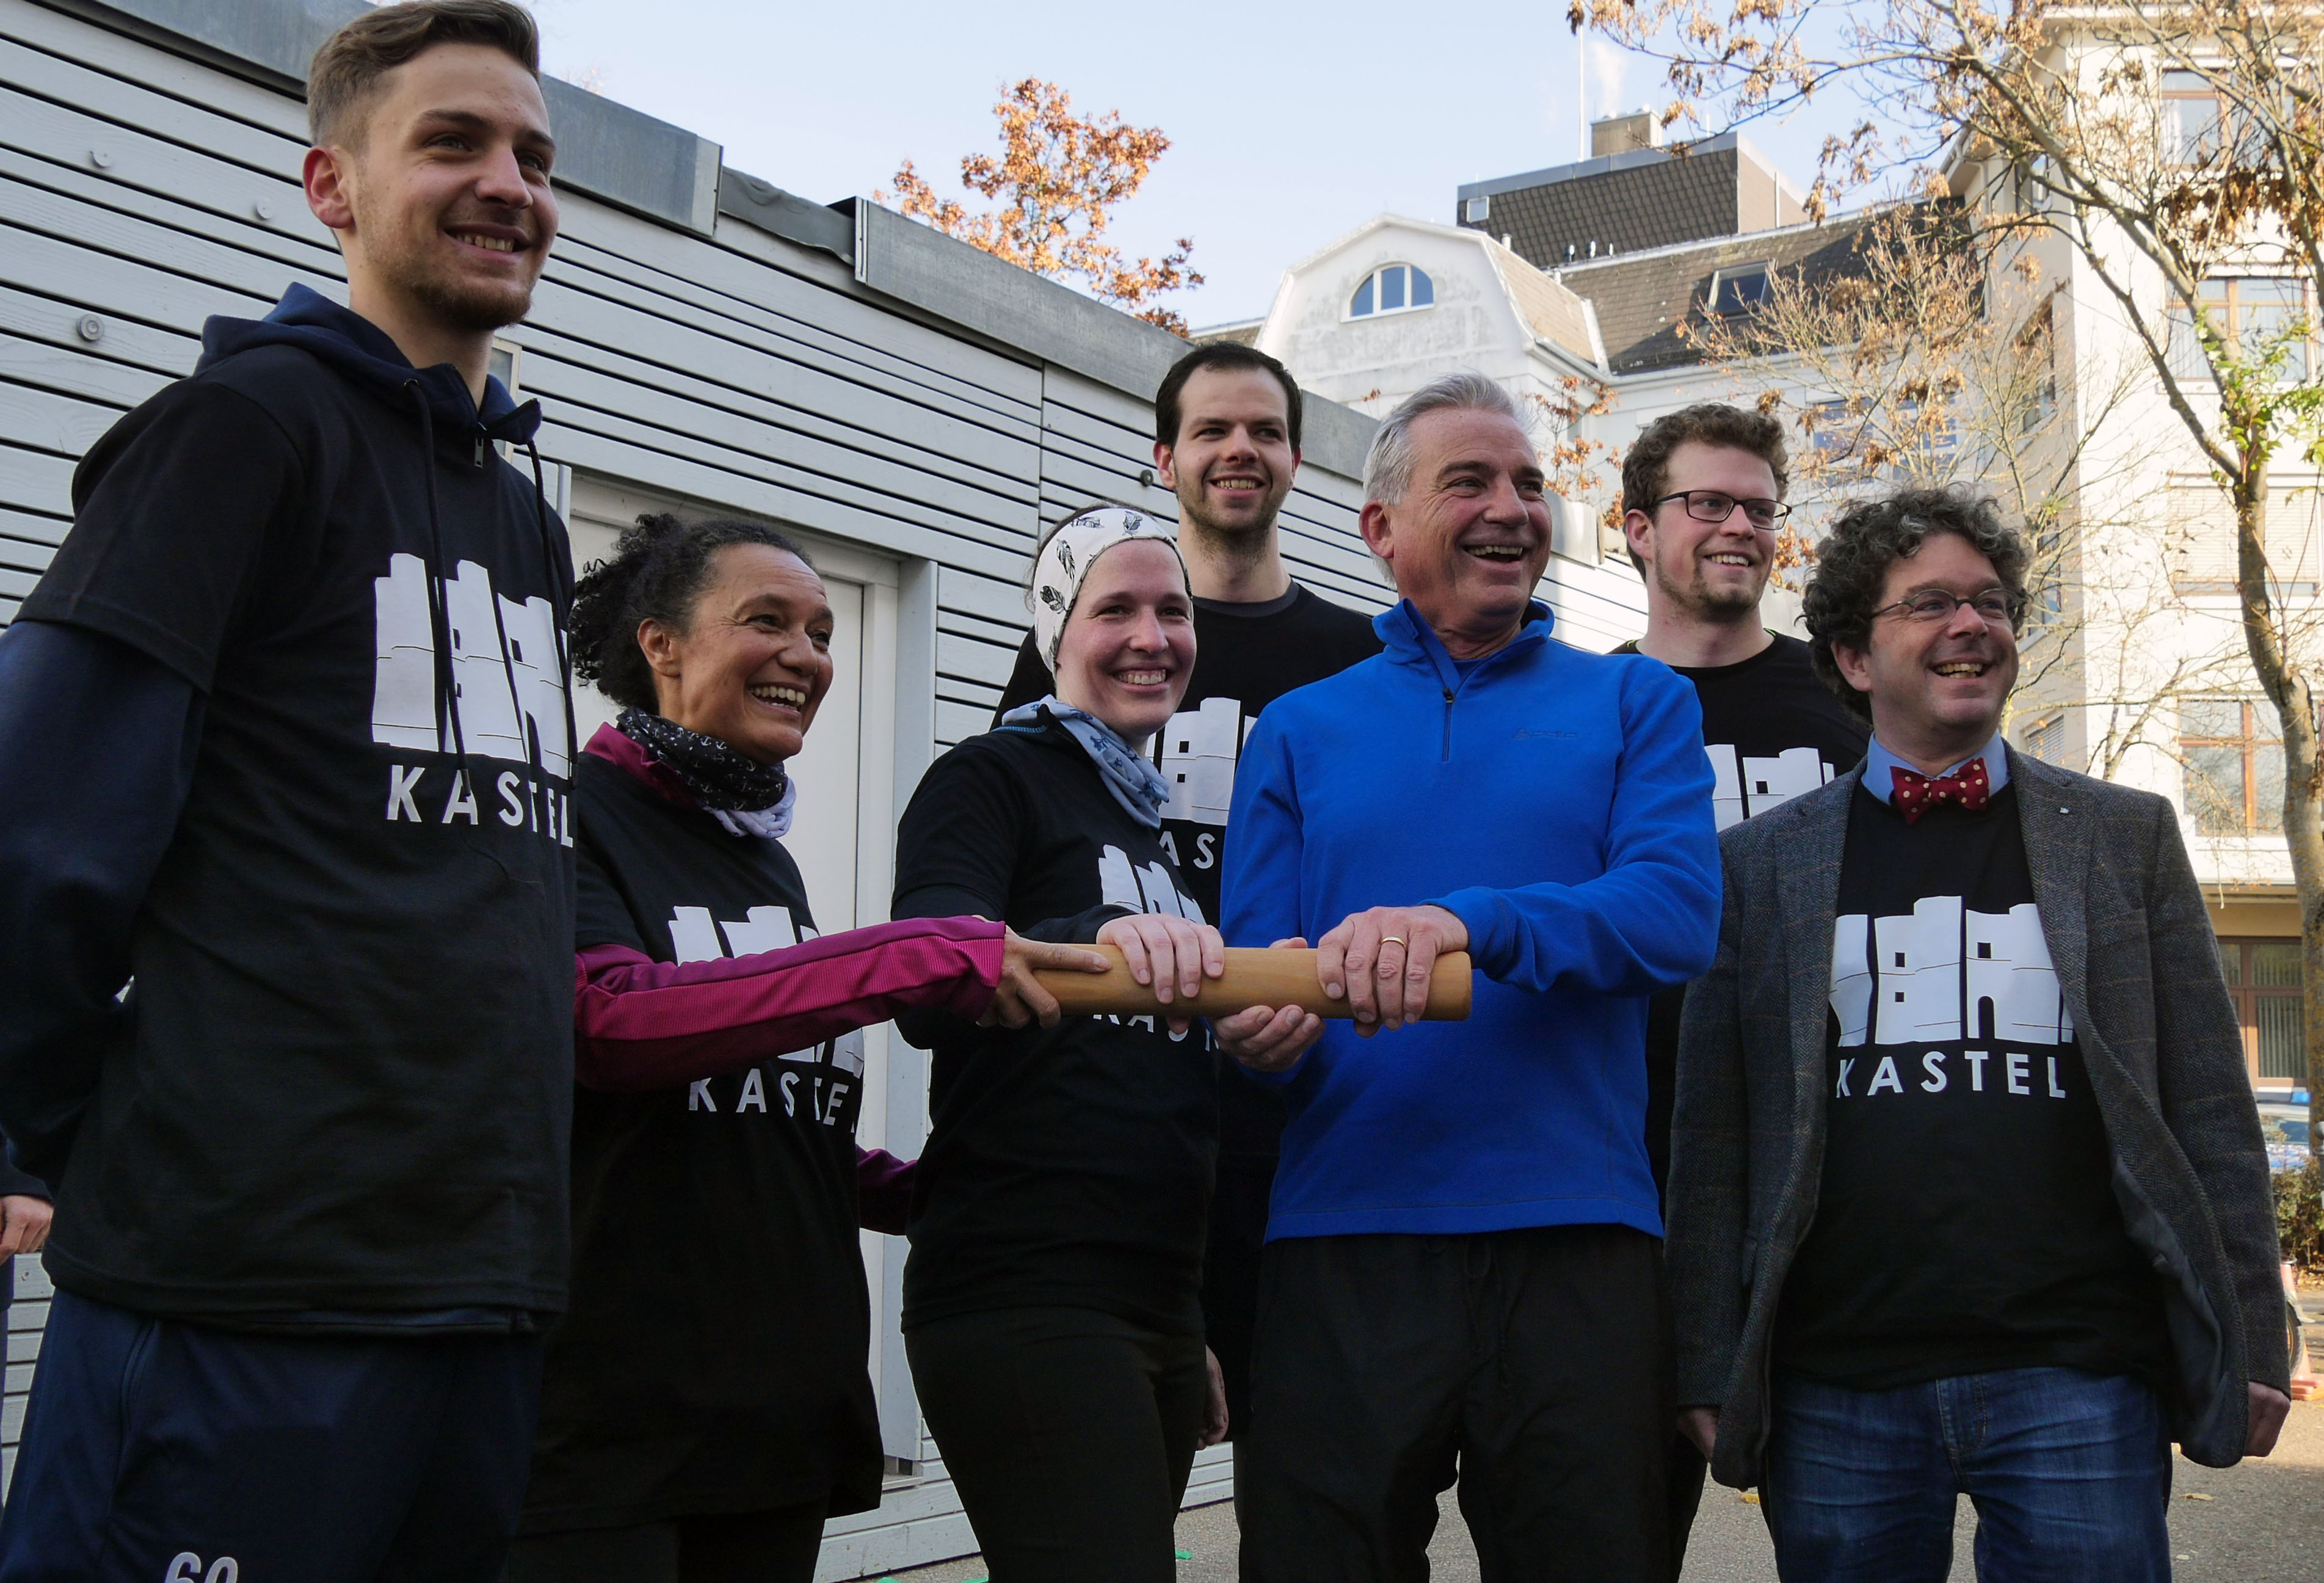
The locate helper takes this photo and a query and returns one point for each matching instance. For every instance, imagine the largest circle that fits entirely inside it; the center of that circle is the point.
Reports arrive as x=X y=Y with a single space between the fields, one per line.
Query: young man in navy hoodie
x=1461 y=1265
x=284 y=750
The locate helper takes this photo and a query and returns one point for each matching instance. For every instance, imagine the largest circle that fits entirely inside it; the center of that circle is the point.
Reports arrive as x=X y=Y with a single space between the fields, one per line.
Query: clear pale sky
x=1288 y=125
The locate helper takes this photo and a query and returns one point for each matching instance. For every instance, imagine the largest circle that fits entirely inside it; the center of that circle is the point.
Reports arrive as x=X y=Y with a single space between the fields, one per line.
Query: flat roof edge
x=916 y=263
x=760 y=203
x=603 y=148
x=668 y=173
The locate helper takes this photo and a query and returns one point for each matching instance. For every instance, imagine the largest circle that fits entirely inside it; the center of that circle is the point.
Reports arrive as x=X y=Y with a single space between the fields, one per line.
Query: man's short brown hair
x=347 y=70
x=1646 y=466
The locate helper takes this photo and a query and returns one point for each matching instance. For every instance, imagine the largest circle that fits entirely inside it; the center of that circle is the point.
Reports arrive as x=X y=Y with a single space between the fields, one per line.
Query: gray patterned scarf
x=1128 y=774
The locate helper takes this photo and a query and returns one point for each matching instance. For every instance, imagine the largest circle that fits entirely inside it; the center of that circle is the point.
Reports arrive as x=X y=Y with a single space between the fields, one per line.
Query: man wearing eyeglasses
x=1703 y=491
x=1968 y=1193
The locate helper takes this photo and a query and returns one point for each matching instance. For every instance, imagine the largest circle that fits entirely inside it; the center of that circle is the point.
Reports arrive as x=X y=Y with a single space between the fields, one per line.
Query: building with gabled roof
x=1667 y=241
x=1372 y=316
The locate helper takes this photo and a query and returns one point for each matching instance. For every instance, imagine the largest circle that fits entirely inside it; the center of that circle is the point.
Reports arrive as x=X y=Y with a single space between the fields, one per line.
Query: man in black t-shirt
x=286 y=856
x=1968 y=1193
x=1702 y=492
x=1226 y=442
x=1702 y=496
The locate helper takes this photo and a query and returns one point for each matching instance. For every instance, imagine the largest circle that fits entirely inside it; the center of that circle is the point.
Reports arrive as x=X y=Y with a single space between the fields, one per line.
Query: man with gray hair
x=1462 y=1263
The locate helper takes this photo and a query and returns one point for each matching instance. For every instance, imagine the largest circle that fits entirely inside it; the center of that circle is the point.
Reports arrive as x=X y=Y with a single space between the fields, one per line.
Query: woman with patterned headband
x=1051 y=1303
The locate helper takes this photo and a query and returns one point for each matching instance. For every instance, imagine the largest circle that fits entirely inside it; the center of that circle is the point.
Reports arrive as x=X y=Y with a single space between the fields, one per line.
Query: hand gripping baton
x=1254 y=977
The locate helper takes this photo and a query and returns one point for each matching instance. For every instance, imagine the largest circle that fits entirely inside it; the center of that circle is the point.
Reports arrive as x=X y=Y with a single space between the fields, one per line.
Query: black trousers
x=1230 y=1260
x=1069 y=1434
x=778 y=1546
x=1688 y=1471
x=1529 y=1362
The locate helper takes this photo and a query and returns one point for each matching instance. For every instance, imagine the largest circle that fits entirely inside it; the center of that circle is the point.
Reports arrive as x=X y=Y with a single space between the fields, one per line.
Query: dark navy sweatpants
x=156 y=1452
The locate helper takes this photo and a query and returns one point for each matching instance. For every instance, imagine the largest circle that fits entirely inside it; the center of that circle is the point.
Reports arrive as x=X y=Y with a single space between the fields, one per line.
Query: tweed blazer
x=2139 y=968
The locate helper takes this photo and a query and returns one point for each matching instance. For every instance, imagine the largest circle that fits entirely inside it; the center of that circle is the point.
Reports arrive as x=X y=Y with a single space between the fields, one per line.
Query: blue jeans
x=2069 y=1473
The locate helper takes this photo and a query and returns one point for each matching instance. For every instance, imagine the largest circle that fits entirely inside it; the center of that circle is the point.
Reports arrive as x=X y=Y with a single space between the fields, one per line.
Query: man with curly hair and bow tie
x=1967 y=1192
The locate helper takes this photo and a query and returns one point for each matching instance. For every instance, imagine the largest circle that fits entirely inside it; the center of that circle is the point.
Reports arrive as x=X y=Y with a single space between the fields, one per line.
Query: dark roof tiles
x=1645 y=205
x=1642 y=300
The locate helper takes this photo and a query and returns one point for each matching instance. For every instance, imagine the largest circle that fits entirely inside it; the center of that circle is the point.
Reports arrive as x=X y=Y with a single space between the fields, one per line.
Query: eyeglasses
x=1714 y=505
x=1934 y=604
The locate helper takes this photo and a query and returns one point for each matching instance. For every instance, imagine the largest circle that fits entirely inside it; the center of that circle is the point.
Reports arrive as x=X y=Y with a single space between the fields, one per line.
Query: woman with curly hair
x=706 y=1403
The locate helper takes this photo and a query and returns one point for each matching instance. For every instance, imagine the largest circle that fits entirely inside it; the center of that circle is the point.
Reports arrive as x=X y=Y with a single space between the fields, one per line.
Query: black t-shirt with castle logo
x=339 y=1098
x=1065 y=1166
x=1246 y=657
x=713 y=1359
x=1966 y=1220
x=1772 y=730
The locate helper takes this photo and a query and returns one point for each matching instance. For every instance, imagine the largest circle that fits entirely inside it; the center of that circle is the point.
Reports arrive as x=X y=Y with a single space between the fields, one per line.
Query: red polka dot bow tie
x=1916 y=794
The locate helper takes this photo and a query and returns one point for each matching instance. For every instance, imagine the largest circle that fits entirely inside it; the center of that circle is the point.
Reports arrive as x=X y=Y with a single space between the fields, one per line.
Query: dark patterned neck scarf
x=721 y=779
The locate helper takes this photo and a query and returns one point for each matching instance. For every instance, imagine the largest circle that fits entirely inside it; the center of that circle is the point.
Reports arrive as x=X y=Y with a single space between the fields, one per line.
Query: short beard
x=465 y=310
x=1241 y=546
x=472 y=312
x=1700 y=602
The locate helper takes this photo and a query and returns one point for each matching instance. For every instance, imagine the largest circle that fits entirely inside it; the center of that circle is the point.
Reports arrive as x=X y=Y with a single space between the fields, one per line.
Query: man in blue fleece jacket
x=1462 y=1263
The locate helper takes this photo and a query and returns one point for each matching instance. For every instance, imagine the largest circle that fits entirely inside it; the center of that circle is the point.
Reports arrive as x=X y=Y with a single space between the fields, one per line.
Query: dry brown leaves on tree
x=1571 y=459
x=1058 y=179
x=2175 y=147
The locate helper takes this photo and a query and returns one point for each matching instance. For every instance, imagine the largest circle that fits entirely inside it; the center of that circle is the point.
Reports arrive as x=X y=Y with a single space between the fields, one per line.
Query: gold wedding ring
x=1395 y=940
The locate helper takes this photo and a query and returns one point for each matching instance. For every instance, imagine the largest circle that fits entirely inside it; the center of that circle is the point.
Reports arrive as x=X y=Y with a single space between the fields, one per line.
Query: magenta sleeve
x=639 y=1025
x=883 y=1186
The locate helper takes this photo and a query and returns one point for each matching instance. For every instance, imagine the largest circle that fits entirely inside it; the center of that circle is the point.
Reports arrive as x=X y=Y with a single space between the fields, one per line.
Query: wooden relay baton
x=1254 y=977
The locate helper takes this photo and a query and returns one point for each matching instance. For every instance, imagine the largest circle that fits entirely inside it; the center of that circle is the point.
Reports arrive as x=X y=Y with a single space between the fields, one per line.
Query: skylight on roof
x=1738 y=290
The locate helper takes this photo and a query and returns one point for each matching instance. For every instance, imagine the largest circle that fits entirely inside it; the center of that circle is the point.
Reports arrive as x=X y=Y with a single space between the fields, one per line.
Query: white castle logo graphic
x=507 y=678
x=1198 y=752
x=1946 y=972
x=694 y=937
x=1760 y=783
x=1149 y=889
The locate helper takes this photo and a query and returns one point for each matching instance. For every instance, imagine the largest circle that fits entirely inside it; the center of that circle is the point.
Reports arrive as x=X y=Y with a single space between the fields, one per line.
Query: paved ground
x=2260 y=1523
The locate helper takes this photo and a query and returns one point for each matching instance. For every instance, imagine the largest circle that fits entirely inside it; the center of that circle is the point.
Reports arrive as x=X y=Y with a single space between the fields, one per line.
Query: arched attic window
x=1395 y=288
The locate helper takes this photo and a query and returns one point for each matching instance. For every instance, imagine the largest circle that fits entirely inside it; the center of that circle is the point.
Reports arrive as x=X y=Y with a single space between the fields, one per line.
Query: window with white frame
x=1395 y=288
x=505 y=357
x=2190 y=118
x=1738 y=290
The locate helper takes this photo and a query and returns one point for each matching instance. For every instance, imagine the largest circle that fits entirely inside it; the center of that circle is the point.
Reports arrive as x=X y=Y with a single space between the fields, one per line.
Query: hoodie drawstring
x=562 y=584
x=439 y=602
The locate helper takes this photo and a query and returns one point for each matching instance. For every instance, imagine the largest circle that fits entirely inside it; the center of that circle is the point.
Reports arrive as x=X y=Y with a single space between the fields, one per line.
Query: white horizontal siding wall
x=142 y=189
x=28 y=1315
